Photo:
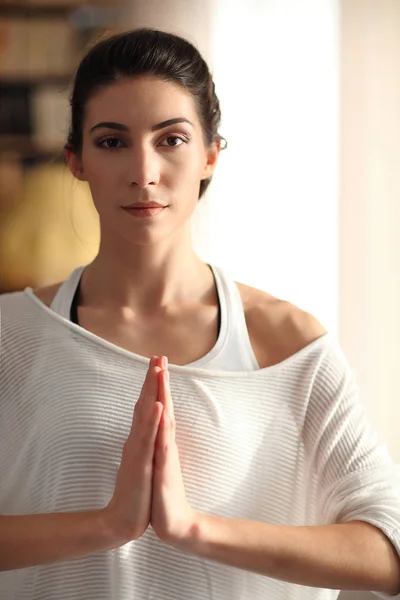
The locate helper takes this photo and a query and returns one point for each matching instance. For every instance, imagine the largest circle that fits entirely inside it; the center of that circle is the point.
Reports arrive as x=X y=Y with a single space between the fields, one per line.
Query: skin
x=150 y=265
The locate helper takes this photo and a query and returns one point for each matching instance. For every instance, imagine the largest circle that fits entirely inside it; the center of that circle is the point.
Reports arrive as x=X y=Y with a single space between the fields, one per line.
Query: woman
x=253 y=473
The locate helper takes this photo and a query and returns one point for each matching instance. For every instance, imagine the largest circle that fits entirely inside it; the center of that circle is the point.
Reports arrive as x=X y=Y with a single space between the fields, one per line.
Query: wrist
x=112 y=529
x=191 y=540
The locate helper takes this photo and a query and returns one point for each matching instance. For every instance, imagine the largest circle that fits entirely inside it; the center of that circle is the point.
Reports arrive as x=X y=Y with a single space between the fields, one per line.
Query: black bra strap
x=74 y=305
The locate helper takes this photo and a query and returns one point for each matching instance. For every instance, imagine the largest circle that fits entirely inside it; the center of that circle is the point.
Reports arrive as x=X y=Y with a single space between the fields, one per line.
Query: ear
x=74 y=164
x=212 y=154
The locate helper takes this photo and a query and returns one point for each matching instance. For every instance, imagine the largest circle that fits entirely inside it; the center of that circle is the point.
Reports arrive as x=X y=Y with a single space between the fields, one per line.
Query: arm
x=349 y=556
x=356 y=533
x=29 y=540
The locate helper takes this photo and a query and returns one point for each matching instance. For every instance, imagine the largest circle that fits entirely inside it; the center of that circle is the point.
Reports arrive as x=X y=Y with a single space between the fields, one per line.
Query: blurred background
x=310 y=98
x=42 y=237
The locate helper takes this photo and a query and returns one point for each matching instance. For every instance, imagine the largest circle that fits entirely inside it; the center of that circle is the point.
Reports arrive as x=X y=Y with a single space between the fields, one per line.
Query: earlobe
x=74 y=164
x=212 y=159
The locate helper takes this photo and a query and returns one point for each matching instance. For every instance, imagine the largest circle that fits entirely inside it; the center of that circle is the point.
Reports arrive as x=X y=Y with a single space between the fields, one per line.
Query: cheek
x=98 y=162
x=101 y=174
x=186 y=171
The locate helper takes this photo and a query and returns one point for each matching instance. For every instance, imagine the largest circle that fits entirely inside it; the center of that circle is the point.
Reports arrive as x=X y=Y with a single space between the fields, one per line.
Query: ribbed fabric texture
x=288 y=444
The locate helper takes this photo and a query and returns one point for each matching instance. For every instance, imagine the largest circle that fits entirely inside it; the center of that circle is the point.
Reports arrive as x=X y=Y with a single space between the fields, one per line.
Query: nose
x=144 y=167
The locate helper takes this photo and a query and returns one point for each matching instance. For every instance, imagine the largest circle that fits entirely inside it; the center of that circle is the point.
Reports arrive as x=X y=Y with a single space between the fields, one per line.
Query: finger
x=150 y=381
x=163 y=363
x=145 y=427
x=148 y=394
x=152 y=430
x=152 y=363
x=165 y=396
x=161 y=447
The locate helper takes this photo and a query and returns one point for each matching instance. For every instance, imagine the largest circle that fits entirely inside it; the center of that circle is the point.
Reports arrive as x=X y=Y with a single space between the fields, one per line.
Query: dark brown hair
x=146 y=52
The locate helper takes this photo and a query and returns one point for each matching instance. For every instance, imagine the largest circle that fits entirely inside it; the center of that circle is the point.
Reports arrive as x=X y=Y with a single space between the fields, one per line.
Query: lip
x=148 y=211
x=145 y=205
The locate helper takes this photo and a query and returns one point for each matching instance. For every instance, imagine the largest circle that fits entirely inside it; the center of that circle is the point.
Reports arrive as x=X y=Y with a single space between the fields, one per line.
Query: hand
x=172 y=518
x=128 y=512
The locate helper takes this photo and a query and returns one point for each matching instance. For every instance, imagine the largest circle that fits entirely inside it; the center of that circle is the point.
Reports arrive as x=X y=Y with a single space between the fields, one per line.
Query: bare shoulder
x=277 y=328
x=46 y=293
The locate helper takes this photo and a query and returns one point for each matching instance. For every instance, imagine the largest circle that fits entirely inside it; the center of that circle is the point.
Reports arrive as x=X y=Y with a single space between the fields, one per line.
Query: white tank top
x=232 y=350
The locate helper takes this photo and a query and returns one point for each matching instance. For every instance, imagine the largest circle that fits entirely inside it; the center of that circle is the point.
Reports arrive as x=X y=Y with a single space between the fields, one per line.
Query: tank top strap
x=236 y=352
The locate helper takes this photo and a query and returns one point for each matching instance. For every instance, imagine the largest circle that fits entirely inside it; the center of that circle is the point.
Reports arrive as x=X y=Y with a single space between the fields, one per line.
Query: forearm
x=349 y=556
x=29 y=540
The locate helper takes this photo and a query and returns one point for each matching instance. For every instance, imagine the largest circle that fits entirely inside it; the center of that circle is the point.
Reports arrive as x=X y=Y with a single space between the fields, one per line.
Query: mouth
x=145 y=205
x=149 y=211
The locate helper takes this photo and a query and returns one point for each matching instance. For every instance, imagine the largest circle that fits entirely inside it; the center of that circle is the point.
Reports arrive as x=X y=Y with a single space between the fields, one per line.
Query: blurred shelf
x=63 y=79
x=25 y=147
x=35 y=10
x=26 y=90
x=65 y=3
x=49 y=7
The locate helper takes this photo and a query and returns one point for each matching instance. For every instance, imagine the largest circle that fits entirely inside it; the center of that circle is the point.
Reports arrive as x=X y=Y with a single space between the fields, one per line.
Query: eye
x=109 y=143
x=174 y=138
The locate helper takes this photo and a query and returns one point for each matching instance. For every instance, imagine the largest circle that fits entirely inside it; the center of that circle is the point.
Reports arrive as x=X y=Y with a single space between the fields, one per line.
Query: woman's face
x=130 y=153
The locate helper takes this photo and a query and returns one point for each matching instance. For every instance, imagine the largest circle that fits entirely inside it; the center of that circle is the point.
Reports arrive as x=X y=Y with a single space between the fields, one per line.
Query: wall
x=370 y=212
x=189 y=19
x=370 y=208
x=274 y=201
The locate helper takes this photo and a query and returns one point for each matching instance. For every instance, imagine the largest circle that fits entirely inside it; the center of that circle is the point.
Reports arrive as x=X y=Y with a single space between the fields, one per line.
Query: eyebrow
x=121 y=127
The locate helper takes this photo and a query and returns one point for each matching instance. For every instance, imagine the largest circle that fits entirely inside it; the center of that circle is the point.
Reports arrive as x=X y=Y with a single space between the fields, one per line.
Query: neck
x=147 y=279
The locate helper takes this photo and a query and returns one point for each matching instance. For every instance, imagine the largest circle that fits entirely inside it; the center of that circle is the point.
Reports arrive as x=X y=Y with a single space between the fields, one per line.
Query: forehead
x=141 y=100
